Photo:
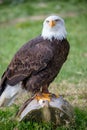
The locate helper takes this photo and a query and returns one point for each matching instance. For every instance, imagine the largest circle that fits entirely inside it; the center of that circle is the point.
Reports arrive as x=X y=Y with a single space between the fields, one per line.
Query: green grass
x=17 y=27
x=46 y=7
x=7 y=122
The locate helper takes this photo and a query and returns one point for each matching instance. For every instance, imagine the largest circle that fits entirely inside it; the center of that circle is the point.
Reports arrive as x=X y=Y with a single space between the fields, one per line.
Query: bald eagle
x=36 y=63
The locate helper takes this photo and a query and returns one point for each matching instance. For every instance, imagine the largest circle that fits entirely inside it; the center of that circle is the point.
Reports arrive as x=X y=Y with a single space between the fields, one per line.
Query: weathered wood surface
x=57 y=111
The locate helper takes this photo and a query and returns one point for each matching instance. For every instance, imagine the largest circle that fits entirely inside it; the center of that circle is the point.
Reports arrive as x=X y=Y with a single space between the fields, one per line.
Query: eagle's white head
x=54 y=26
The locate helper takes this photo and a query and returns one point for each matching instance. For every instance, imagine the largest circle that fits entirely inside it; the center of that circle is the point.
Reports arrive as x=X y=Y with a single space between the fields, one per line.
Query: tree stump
x=57 y=110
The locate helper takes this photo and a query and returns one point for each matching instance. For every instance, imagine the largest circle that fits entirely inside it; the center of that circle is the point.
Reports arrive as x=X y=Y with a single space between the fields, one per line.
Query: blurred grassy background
x=21 y=21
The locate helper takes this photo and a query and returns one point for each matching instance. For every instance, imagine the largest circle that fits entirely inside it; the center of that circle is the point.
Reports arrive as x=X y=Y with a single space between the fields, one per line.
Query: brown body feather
x=36 y=64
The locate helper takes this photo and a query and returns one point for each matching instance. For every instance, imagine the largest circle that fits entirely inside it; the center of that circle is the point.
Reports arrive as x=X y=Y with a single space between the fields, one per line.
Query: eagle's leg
x=45 y=89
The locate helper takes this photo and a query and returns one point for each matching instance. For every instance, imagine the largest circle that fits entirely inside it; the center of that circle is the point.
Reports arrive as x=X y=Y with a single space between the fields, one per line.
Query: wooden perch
x=57 y=110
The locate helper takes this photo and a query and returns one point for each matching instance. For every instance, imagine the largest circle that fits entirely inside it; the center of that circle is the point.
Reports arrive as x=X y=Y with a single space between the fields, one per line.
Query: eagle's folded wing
x=26 y=62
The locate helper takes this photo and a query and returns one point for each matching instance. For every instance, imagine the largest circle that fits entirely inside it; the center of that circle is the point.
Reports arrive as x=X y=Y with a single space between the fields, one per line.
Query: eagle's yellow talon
x=43 y=96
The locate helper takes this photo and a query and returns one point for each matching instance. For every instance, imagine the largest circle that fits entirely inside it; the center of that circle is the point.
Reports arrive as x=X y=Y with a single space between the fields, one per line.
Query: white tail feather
x=10 y=94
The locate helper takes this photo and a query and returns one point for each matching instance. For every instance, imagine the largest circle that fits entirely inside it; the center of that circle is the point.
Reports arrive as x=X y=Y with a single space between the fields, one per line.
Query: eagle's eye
x=47 y=21
x=57 y=20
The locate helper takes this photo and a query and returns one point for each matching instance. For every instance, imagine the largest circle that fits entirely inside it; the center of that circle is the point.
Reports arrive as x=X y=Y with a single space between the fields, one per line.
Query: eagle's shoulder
x=32 y=43
x=36 y=45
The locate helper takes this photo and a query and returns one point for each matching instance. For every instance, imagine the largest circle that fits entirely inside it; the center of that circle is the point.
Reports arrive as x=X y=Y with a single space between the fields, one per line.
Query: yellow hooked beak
x=52 y=23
